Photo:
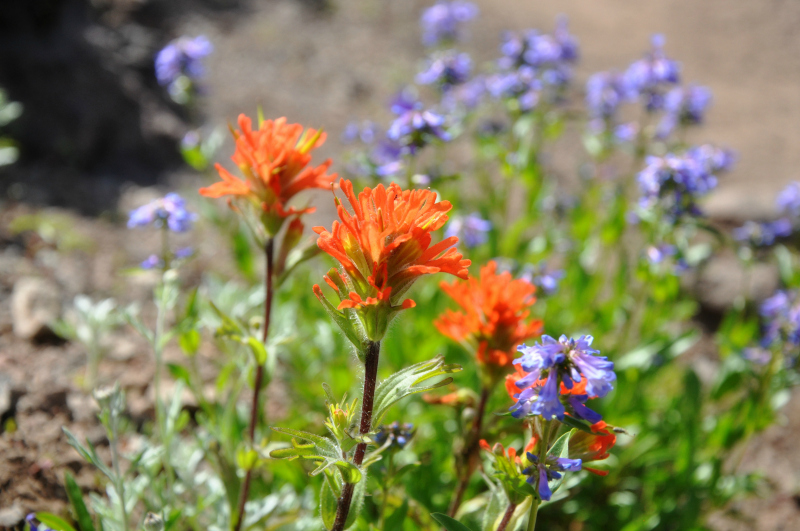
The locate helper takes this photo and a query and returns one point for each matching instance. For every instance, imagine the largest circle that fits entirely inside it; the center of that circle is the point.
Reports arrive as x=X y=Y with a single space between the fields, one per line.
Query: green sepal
x=406 y=382
x=344 y=324
x=350 y=472
x=560 y=448
x=578 y=424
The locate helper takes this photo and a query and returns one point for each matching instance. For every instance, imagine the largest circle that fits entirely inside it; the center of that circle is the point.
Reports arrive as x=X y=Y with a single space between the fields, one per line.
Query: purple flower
x=605 y=92
x=398 y=434
x=788 y=200
x=182 y=57
x=446 y=69
x=781 y=315
x=471 y=229
x=444 y=21
x=657 y=254
x=367 y=132
x=467 y=95
x=649 y=76
x=545 y=279
x=760 y=234
x=415 y=129
x=566 y=361
x=683 y=105
x=169 y=210
x=520 y=85
x=542 y=473
x=152 y=262
x=676 y=182
x=759 y=356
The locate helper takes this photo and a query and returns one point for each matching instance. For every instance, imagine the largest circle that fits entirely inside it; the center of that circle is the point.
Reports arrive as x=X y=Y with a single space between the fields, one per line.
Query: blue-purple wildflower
x=444 y=21
x=397 y=434
x=566 y=362
x=683 y=106
x=169 y=211
x=543 y=278
x=181 y=60
x=763 y=234
x=415 y=129
x=676 y=182
x=541 y=473
x=446 y=70
x=781 y=315
x=651 y=76
x=472 y=229
x=788 y=200
x=466 y=96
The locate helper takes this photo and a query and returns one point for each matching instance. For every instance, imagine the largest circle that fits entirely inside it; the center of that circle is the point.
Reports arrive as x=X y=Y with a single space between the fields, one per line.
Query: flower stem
x=269 y=251
x=371 y=359
x=507 y=517
x=469 y=455
x=533 y=513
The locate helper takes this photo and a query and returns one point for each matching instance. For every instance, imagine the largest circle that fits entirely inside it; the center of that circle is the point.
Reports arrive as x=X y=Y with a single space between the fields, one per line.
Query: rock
x=82 y=407
x=11 y=516
x=35 y=303
x=5 y=396
x=724 y=279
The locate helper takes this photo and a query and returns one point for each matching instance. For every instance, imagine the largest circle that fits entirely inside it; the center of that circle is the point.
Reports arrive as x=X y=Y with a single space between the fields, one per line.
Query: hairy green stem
x=269 y=251
x=371 y=358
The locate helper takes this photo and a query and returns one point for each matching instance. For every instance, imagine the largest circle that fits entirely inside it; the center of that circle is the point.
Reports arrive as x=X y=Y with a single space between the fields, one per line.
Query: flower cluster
x=383 y=247
x=444 y=21
x=543 y=278
x=395 y=434
x=532 y=62
x=179 y=64
x=274 y=161
x=472 y=229
x=605 y=94
x=446 y=70
x=683 y=106
x=559 y=377
x=781 y=314
x=167 y=212
x=765 y=233
x=494 y=314
x=675 y=182
x=416 y=127
x=650 y=77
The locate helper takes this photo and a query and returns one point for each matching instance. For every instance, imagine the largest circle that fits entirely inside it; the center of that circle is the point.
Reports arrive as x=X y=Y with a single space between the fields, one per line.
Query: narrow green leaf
x=559 y=449
x=258 y=349
x=76 y=499
x=56 y=523
x=328 y=504
x=179 y=372
x=451 y=524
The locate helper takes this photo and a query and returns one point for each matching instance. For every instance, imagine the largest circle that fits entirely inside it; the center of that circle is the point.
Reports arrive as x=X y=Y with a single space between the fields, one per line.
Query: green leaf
x=243 y=253
x=179 y=372
x=76 y=499
x=326 y=451
x=406 y=382
x=559 y=449
x=328 y=503
x=578 y=424
x=451 y=524
x=88 y=453
x=350 y=472
x=189 y=342
x=56 y=523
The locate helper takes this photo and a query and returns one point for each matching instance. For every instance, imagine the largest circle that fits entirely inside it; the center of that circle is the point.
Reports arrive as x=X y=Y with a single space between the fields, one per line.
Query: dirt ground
x=324 y=68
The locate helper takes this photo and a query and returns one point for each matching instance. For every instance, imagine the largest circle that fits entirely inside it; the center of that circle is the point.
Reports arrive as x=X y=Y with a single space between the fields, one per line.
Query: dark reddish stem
x=507 y=517
x=370 y=381
x=470 y=453
x=254 y=407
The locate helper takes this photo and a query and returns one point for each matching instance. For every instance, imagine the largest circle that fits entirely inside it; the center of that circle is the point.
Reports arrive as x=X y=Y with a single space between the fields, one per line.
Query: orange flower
x=493 y=320
x=594 y=446
x=383 y=247
x=273 y=160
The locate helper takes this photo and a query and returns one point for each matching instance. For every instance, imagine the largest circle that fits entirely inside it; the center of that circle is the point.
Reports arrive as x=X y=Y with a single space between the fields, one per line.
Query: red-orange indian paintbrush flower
x=383 y=247
x=274 y=161
x=494 y=316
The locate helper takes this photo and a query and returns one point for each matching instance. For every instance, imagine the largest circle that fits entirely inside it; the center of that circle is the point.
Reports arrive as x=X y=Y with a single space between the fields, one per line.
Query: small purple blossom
x=762 y=234
x=543 y=278
x=657 y=254
x=781 y=315
x=541 y=473
x=367 y=132
x=446 y=70
x=605 y=92
x=398 y=434
x=169 y=211
x=467 y=95
x=445 y=20
x=471 y=229
x=152 y=262
x=416 y=128
x=788 y=200
x=182 y=58
x=650 y=76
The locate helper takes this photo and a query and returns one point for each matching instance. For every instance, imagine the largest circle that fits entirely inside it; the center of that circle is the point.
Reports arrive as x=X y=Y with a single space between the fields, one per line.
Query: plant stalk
x=470 y=450
x=507 y=517
x=269 y=251
x=370 y=381
x=532 y=514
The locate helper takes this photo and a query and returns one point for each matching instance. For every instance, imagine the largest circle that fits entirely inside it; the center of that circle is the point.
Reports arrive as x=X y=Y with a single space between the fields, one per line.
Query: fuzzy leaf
x=328 y=504
x=406 y=382
x=350 y=472
x=326 y=452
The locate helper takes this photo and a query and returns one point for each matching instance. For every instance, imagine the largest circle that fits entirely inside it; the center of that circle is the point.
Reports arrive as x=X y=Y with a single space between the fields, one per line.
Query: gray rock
x=35 y=303
x=724 y=279
x=11 y=516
